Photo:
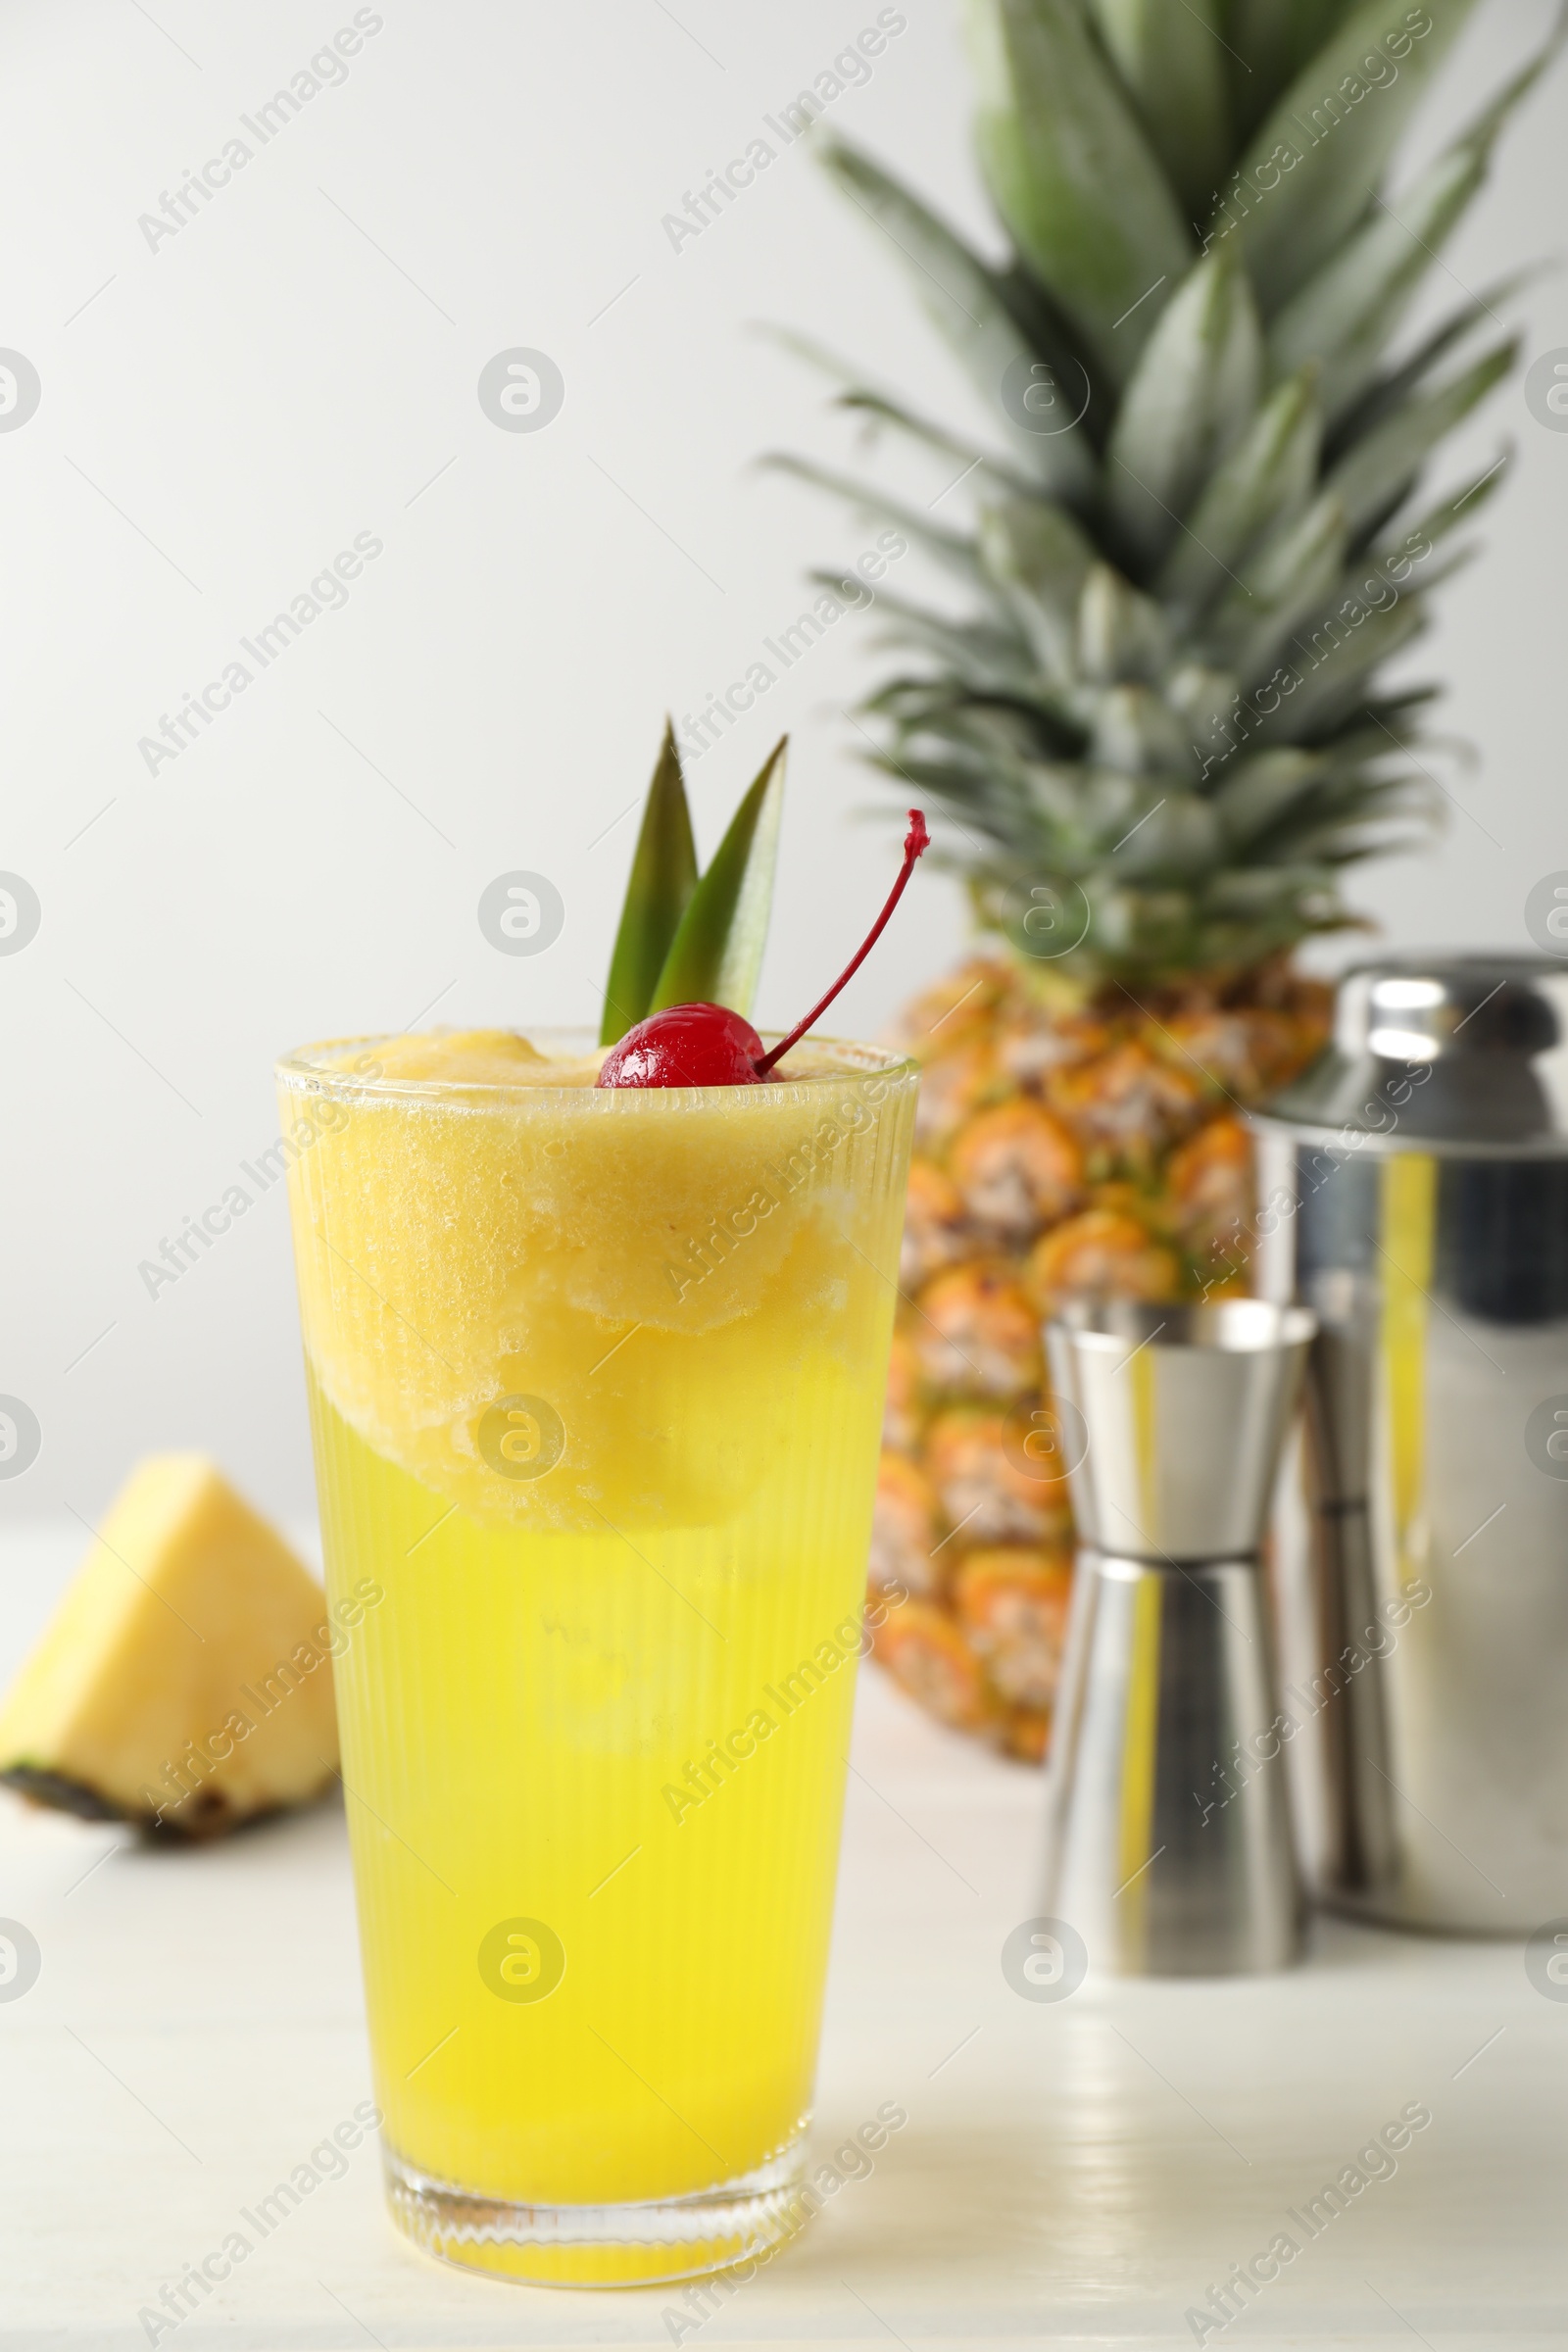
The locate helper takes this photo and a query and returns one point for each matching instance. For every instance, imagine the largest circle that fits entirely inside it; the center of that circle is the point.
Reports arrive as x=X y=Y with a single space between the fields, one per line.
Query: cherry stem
x=914 y=841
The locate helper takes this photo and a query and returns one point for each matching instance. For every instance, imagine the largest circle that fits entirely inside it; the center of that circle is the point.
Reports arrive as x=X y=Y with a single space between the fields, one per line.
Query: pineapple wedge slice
x=184 y=1682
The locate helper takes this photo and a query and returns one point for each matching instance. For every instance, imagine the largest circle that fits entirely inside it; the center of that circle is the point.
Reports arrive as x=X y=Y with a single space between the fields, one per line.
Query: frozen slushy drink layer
x=596 y=1377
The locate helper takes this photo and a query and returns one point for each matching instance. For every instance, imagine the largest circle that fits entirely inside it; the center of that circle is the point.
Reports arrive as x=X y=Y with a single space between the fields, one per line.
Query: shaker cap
x=1458 y=1054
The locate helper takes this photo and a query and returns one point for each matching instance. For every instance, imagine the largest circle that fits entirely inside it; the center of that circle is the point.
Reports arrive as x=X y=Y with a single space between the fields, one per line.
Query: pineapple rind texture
x=1188 y=534
x=1102 y=1147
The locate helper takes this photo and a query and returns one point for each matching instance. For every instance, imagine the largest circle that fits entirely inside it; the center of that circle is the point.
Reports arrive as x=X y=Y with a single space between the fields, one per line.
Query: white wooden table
x=1079 y=2173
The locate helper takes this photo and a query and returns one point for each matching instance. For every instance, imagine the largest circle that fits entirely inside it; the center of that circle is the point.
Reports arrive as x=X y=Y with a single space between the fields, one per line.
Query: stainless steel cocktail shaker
x=1168 y=1845
x=1414 y=1194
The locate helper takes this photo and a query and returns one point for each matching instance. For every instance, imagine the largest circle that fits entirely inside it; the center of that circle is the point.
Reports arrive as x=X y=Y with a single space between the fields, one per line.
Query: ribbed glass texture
x=596 y=1379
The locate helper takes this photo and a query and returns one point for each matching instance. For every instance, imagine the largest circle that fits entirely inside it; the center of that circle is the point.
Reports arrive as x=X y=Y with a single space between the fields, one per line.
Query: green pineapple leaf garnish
x=686 y=936
x=663 y=877
x=717 y=954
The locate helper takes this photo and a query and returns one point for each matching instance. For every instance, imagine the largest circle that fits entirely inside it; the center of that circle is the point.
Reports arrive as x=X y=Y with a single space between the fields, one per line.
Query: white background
x=222 y=415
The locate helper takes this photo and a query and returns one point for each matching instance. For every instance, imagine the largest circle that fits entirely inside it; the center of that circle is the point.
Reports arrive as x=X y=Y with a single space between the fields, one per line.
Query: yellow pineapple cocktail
x=596 y=1378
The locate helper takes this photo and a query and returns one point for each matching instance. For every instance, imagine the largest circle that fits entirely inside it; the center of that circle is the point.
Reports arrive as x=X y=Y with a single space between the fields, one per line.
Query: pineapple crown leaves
x=1194 y=534
x=687 y=937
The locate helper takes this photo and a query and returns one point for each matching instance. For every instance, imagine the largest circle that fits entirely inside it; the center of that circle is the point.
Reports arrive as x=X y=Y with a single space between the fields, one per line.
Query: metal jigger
x=1169 y=1841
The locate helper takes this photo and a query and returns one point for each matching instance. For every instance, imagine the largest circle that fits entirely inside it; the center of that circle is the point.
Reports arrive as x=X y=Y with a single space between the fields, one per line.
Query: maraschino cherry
x=688 y=1045
x=708 y=1044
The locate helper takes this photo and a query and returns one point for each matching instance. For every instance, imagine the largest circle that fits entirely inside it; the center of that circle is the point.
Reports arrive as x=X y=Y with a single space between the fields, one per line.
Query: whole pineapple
x=1151 y=714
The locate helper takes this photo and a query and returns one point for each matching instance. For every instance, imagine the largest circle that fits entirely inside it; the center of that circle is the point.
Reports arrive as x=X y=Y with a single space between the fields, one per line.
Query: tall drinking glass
x=595 y=1378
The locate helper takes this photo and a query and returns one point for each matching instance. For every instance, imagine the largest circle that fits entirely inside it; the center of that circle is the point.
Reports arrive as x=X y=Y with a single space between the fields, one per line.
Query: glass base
x=743 y=2221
